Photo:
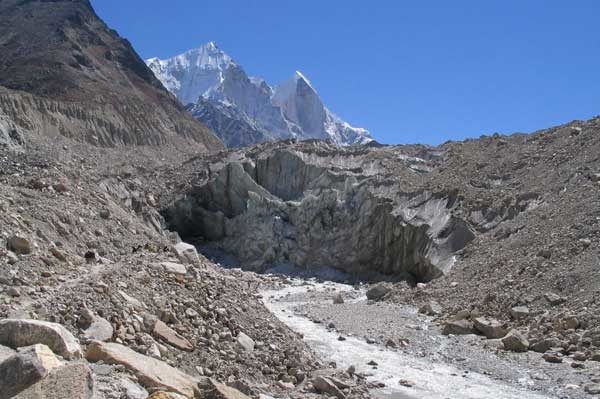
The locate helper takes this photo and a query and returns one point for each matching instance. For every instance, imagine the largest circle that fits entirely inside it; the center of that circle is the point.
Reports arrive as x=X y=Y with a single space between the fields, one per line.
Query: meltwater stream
x=432 y=380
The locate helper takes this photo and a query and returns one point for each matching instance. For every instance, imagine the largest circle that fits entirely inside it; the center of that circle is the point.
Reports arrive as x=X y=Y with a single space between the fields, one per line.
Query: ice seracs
x=245 y=110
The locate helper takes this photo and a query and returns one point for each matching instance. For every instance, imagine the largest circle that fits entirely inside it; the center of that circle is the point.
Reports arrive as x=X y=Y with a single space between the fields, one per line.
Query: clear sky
x=409 y=71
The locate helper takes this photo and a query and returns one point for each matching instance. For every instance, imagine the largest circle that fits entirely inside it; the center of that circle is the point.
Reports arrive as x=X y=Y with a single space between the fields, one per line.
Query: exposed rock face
x=286 y=206
x=11 y=136
x=63 y=71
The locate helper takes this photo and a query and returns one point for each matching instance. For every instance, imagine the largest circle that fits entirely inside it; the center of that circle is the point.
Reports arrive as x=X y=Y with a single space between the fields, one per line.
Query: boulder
x=325 y=385
x=245 y=342
x=17 y=333
x=377 y=292
x=132 y=301
x=515 y=341
x=545 y=344
x=99 y=329
x=25 y=368
x=338 y=299
x=553 y=299
x=458 y=327
x=492 y=329
x=19 y=245
x=519 y=312
x=215 y=390
x=6 y=352
x=187 y=253
x=72 y=381
x=552 y=357
x=592 y=389
x=431 y=308
x=168 y=335
x=149 y=371
x=172 y=267
x=131 y=390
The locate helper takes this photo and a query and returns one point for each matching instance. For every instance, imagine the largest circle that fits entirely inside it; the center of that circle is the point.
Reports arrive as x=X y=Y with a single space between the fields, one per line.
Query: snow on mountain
x=224 y=97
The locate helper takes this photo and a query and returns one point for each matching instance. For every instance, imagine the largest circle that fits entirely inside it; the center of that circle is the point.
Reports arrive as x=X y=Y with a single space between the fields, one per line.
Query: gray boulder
x=25 y=368
x=515 y=341
x=378 y=291
x=19 y=245
x=492 y=329
x=458 y=327
x=16 y=333
x=245 y=342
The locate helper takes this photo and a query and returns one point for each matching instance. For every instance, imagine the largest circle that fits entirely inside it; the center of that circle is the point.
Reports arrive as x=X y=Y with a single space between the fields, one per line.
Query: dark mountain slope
x=66 y=72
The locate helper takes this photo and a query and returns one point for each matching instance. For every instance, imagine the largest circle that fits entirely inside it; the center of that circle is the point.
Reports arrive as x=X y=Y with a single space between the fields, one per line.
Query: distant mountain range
x=244 y=110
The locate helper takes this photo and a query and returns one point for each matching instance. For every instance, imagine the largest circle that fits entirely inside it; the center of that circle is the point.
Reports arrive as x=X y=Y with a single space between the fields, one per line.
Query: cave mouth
x=283 y=213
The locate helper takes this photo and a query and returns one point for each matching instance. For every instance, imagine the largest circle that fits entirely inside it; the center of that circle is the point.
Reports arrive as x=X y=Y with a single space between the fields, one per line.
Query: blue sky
x=409 y=71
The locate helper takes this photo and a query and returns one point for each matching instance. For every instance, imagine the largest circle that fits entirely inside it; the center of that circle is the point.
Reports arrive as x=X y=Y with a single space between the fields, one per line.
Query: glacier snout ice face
x=245 y=110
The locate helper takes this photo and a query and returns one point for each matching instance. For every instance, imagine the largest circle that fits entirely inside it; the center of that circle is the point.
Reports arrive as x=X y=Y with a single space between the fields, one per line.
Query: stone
x=377 y=292
x=406 y=383
x=338 y=299
x=174 y=268
x=580 y=356
x=186 y=253
x=592 y=389
x=168 y=335
x=287 y=386
x=458 y=327
x=554 y=299
x=492 y=329
x=25 y=368
x=515 y=341
x=431 y=308
x=570 y=323
x=17 y=333
x=12 y=258
x=99 y=329
x=132 y=301
x=325 y=385
x=6 y=352
x=215 y=390
x=57 y=254
x=245 y=342
x=149 y=371
x=104 y=213
x=519 y=312
x=544 y=344
x=131 y=390
x=19 y=245
x=552 y=357
x=72 y=381
x=13 y=292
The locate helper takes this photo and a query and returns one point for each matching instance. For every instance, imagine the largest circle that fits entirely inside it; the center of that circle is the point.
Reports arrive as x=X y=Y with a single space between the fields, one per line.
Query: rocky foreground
x=97 y=300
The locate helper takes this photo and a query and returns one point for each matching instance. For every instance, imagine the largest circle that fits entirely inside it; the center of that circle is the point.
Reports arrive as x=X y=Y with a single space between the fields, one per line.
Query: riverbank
x=395 y=346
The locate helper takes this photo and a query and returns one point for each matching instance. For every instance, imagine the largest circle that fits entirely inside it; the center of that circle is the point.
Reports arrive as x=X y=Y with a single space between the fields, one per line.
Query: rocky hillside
x=102 y=302
x=63 y=71
x=492 y=234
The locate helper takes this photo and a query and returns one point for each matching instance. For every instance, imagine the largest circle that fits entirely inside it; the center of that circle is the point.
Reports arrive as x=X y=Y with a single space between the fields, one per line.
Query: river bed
x=429 y=379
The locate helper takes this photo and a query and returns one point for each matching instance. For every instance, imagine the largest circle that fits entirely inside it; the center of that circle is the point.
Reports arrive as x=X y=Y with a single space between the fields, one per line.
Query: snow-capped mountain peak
x=194 y=73
x=222 y=95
